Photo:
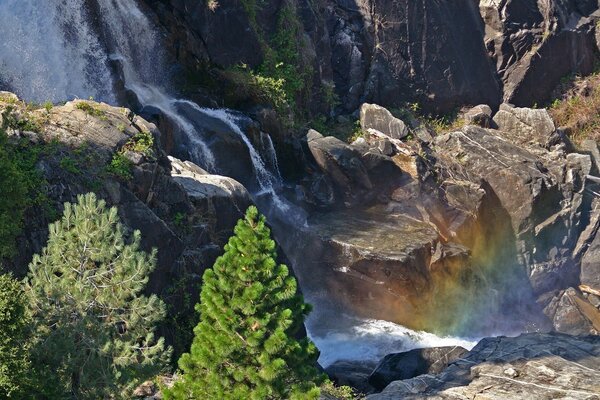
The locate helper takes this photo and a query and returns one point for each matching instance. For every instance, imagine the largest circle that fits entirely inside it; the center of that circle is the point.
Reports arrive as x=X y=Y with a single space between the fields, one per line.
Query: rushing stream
x=57 y=50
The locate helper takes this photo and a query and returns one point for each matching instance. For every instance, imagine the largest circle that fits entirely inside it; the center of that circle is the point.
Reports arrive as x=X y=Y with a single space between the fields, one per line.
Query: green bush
x=120 y=166
x=20 y=185
x=14 y=340
x=89 y=109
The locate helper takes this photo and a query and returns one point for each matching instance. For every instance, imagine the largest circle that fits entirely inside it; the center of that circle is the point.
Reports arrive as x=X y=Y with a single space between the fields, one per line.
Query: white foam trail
x=370 y=340
x=265 y=179
x=269 y=149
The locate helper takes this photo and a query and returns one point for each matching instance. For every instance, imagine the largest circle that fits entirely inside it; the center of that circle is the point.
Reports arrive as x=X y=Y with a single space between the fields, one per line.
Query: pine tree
x=93 y=328
x=14 y=341
x=244 y=345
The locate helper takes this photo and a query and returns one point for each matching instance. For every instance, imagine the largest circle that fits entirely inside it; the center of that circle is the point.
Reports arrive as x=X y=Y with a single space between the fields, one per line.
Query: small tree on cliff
x=93 y=328
x=244 y=345
x=14 y=340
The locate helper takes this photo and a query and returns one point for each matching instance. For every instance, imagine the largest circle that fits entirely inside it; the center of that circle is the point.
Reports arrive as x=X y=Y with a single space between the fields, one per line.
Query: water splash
x=369 y=340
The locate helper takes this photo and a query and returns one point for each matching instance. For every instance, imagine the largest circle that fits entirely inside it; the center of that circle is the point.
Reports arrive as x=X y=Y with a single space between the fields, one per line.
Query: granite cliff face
x=439 y=55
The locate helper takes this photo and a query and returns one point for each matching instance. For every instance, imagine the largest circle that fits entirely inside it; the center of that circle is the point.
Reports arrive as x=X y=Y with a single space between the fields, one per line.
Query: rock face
x=535 y=44
x=535 y=366
x=400 y=366
x=390 y=52
x=181 y=210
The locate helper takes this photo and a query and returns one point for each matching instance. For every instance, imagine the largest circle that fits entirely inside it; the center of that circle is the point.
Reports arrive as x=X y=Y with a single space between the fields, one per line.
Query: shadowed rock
x=413 y=363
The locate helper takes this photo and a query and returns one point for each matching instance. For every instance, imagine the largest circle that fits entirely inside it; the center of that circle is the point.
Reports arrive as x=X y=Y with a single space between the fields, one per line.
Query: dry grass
x=578 y=109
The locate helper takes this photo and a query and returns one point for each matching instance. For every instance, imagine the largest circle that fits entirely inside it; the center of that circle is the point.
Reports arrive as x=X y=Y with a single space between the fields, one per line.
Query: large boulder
x=376 y=117
x=341 y=163
x=400 y=366
x=525 y=125
x=217 y=194
x=480 y=115
x=536 y=366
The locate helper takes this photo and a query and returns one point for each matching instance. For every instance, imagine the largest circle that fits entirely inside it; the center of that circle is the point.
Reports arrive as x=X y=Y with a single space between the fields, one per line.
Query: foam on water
x=369 y=340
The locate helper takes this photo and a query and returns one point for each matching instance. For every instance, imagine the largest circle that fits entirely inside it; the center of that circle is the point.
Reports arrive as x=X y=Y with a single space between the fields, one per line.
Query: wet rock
x=351 y=373
x=376 y=117
x=413 y=363
x=537 y=366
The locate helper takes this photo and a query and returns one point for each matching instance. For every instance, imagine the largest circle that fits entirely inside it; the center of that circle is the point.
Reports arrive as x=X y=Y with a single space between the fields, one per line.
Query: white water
x=369 y=340
x=50 y=51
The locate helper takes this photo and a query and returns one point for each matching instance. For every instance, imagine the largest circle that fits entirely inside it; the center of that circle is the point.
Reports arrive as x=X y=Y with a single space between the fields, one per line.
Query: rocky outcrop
x=183 y=212
x=376 y=117
x=495 y=221
x=537 y=366
x=400 y=366
x=340 y=164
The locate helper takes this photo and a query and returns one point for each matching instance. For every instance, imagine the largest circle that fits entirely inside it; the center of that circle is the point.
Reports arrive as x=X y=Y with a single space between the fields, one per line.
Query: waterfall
x=48 y=52
x=58 y=50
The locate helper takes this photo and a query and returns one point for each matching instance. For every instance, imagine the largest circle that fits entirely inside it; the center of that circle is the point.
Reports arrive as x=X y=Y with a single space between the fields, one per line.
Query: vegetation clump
x=578 y=108
x=89 y=109
x=120 y=165
x=14 y=339
x=244 y=345
x=21 y=188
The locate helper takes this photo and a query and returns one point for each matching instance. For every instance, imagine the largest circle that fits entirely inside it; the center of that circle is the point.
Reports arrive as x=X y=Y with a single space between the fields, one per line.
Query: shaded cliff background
x=440 y=54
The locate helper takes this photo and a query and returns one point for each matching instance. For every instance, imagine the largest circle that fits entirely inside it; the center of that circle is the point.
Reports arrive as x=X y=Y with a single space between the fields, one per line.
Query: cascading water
x=48 y=52
x=62 y=49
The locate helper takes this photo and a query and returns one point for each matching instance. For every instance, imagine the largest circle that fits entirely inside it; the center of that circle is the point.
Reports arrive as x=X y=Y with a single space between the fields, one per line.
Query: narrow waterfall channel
x=57 y=50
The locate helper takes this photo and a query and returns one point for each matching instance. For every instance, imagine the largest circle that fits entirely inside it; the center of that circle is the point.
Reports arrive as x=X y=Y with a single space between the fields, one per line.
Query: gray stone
x=590 y=264
x=340 y=162
x=376 y=117
x=525 y=125
x=480 y=115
